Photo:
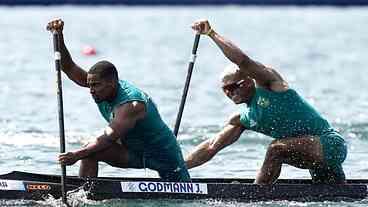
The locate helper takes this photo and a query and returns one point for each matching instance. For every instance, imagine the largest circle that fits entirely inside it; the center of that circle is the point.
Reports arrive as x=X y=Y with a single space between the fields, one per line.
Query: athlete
x=302 y=137
x=136 y=136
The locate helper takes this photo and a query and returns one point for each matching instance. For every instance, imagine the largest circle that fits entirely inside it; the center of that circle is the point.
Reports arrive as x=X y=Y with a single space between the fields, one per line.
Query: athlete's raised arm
x=265 y=77
x=72 y=70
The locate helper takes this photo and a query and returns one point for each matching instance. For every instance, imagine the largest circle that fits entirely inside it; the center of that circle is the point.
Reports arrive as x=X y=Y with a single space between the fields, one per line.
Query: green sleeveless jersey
x=150 y=135
x=282 y=114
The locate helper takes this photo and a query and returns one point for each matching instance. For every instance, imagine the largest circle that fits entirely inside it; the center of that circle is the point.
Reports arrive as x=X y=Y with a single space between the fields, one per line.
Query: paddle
x=187 y=82
x=60 y=112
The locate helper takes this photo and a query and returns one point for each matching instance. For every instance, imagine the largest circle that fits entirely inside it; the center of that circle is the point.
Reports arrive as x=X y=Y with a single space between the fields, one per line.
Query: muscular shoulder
x=265 y=77
x=235 y=119
x=131 y=109
x=278 y=86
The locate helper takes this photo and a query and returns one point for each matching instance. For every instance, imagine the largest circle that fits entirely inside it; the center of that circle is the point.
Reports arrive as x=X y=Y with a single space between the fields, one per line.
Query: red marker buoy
x=88 y=50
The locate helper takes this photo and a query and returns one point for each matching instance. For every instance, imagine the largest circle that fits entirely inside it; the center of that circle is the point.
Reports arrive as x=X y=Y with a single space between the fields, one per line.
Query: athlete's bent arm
x=72 y=70
x=209 y=148
x=126 y=117
x=265 y=77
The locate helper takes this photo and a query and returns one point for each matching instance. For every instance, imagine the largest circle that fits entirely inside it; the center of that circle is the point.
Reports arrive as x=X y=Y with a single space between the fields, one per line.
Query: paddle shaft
x=60 y=112
x=187 y=82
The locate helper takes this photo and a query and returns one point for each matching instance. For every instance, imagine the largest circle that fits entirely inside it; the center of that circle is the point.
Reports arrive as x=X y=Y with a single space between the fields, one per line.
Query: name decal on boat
x=11 y=185
x=164 y=187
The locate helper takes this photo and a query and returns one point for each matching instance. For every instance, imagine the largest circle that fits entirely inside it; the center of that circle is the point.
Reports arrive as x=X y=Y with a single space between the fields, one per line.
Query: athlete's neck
x=250 y=96
x=114 y=93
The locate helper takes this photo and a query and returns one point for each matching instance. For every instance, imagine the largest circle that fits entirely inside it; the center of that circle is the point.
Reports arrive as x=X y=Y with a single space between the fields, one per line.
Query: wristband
x=210 y=31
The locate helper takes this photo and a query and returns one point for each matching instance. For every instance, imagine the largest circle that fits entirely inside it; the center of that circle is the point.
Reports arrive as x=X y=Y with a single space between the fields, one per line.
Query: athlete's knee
x=277 y=150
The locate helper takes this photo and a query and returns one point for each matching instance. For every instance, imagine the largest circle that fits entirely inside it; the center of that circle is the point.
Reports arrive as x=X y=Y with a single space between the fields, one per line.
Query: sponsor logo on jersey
x=263 y=102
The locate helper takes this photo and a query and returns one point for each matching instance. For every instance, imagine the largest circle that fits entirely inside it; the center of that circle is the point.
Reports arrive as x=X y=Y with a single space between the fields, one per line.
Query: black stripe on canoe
x=38 y=186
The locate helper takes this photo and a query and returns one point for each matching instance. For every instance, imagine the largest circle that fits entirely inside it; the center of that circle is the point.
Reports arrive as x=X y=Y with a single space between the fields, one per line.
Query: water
x=321 y=51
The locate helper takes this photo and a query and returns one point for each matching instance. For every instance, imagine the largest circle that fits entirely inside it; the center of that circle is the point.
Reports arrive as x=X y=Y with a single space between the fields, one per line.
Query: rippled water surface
x=320 y=51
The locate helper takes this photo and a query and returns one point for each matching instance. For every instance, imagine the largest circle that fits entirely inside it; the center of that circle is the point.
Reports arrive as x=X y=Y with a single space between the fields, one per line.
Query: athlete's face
x=100 y=89
x=238 y=89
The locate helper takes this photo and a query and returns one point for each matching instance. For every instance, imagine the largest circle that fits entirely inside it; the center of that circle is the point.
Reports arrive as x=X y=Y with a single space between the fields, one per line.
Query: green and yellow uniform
x=287 y=115
x=151 y=143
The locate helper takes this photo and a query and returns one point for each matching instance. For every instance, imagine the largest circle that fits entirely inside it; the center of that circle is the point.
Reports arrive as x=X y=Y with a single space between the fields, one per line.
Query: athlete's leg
x=334 y=151
x=116 y=155
x=328 y=175
x=302 y=152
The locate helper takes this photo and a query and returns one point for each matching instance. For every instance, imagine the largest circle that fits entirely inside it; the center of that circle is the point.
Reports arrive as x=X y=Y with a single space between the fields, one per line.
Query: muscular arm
x=126 y=117
x=72 y=70
x=209 y=148
x=265 y=77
